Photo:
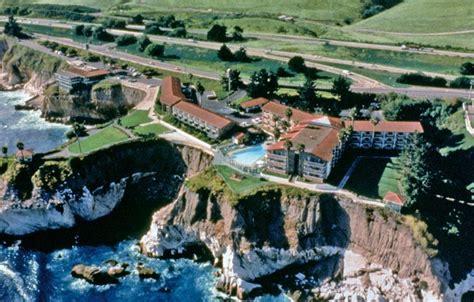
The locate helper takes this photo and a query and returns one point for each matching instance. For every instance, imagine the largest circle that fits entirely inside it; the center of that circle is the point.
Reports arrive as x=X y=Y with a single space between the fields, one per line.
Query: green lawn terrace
x=373 y=177
x=100 y=139
x=135 y=118
x=154 y=129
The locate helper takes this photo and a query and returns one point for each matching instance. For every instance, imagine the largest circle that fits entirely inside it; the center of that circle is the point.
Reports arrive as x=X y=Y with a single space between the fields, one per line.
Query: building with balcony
x=310 y=149
x=388 y=135
x=204 y=120
x=73 y=77
x=171 y=93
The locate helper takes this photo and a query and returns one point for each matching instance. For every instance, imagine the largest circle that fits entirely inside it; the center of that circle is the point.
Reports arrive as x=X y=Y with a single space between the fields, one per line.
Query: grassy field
x=423 y=16
x=421 y=62
x=374 y=177
x=245 y=185
x=135 y=118
x=206 y=59
x=105 y=137
x=155 y=129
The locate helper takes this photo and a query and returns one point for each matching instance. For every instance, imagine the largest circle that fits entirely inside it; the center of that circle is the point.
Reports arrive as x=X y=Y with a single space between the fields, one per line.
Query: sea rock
x=146 y=272
x=93 y=275
x=118 y=271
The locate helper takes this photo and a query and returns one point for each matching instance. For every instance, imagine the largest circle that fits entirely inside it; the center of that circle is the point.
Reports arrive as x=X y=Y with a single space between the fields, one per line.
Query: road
x=276 y=55
x=360 y=83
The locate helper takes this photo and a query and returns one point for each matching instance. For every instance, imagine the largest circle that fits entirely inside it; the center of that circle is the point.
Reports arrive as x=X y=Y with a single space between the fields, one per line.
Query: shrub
x=142 y=43
x=461 y=82
x=155 y=50
x=467 y=68
x=422 y=80
x=125 y=40
x=297 y=64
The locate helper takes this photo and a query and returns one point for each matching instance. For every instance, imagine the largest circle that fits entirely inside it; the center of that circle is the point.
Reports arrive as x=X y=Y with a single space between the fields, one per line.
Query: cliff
x=106 y=100
x=22 y=66
x=55 y=194
x=324 y=246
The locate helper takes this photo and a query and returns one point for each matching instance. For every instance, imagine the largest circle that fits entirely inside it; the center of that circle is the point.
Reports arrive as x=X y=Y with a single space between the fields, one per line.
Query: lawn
x=135 y=118
x=247 y=184
x=460 y=138
x=105 y=137
x=374 y=177
x=206 y=59
x=155 y=129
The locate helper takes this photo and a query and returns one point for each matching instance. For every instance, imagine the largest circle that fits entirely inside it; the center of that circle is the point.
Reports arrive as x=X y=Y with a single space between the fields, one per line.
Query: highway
x=274 y=53
x=371 y=87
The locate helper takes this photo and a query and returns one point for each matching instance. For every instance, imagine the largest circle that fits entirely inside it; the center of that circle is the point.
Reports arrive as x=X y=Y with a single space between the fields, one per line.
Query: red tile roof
x=88 y=73
x=280 y=110
x=319 y=140
x=24 y=153
x=394 y=198
x=171 y=92
x=387 y=126
x=239 y=135
x=254 y=103
x=203 y=114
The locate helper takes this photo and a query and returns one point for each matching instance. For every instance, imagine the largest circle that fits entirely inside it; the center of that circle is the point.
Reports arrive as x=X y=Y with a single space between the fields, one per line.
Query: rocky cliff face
x=31 y=69
x=101 y=104
x=278 y=235
x=54 y=194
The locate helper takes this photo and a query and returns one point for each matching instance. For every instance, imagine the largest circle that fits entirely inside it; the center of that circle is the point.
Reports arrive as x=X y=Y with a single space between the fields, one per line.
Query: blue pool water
x=248 y=156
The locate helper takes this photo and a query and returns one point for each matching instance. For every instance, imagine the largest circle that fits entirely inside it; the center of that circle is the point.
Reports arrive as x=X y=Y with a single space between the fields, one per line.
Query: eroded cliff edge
x=52 y=194
x=326 y=246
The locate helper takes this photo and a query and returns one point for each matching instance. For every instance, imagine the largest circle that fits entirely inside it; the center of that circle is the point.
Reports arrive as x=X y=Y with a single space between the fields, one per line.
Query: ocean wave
x=12 y=286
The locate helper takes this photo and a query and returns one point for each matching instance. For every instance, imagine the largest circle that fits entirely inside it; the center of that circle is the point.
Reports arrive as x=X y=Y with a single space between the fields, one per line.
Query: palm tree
x=374 y=121
x=5 y=151
x=20 y=146
x=352 y=114
x=288 y=145
x=301 y=148
x=78 y=129
x=200 y=90
x=288 y=113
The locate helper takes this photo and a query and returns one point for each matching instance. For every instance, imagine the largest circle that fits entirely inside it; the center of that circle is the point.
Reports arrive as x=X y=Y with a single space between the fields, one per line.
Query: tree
x=461 y=82
x=308 y=99
x=341 y=87
x=155 y=50
x=153 y=28
x=138 y=19
x=374 y=121
x=78 y=130
x=101 y=34
x=467 y=68
x=217 y=33
x=301 y=148
x=225 y=54
x=241 y=55
x=78 y=30
x=276 y=133
x=200 y=90
x=288 y=113
x=142 y=43
x=88 y=31
x=262 y=84
x=114 y=23
x=179 y=32
x=416 y=171
x=5 y=150
x=288 y=145
x=232 y=80
x=11 y=28
x=297 y=64
x=20 y=146
x=125 y=40
x=237 y=34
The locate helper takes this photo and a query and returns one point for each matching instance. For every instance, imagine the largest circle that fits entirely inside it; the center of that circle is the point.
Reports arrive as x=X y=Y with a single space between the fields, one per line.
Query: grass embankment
x=135 y=118
x=237 y=182
x=374 y=177
x=155 y=129
x=105 y=137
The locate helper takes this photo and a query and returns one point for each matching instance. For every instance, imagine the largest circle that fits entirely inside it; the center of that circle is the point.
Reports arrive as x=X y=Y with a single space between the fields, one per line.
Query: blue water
x=38 y=269
x=248 y=156
x=27 y=126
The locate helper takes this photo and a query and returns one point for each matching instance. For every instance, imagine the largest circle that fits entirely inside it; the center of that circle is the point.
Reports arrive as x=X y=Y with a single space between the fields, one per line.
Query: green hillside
x=423 y=16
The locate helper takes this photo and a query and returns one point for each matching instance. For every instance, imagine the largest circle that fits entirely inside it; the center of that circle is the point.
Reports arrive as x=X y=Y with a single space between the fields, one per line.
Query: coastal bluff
x=313 y=246
x=55 y=194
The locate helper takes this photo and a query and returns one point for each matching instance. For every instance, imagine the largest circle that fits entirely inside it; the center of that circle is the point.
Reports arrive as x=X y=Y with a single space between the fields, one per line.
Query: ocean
x=37 y=268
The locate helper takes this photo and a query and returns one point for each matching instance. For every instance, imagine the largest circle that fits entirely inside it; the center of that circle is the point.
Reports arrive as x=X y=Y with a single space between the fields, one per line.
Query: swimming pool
x=248 y=156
